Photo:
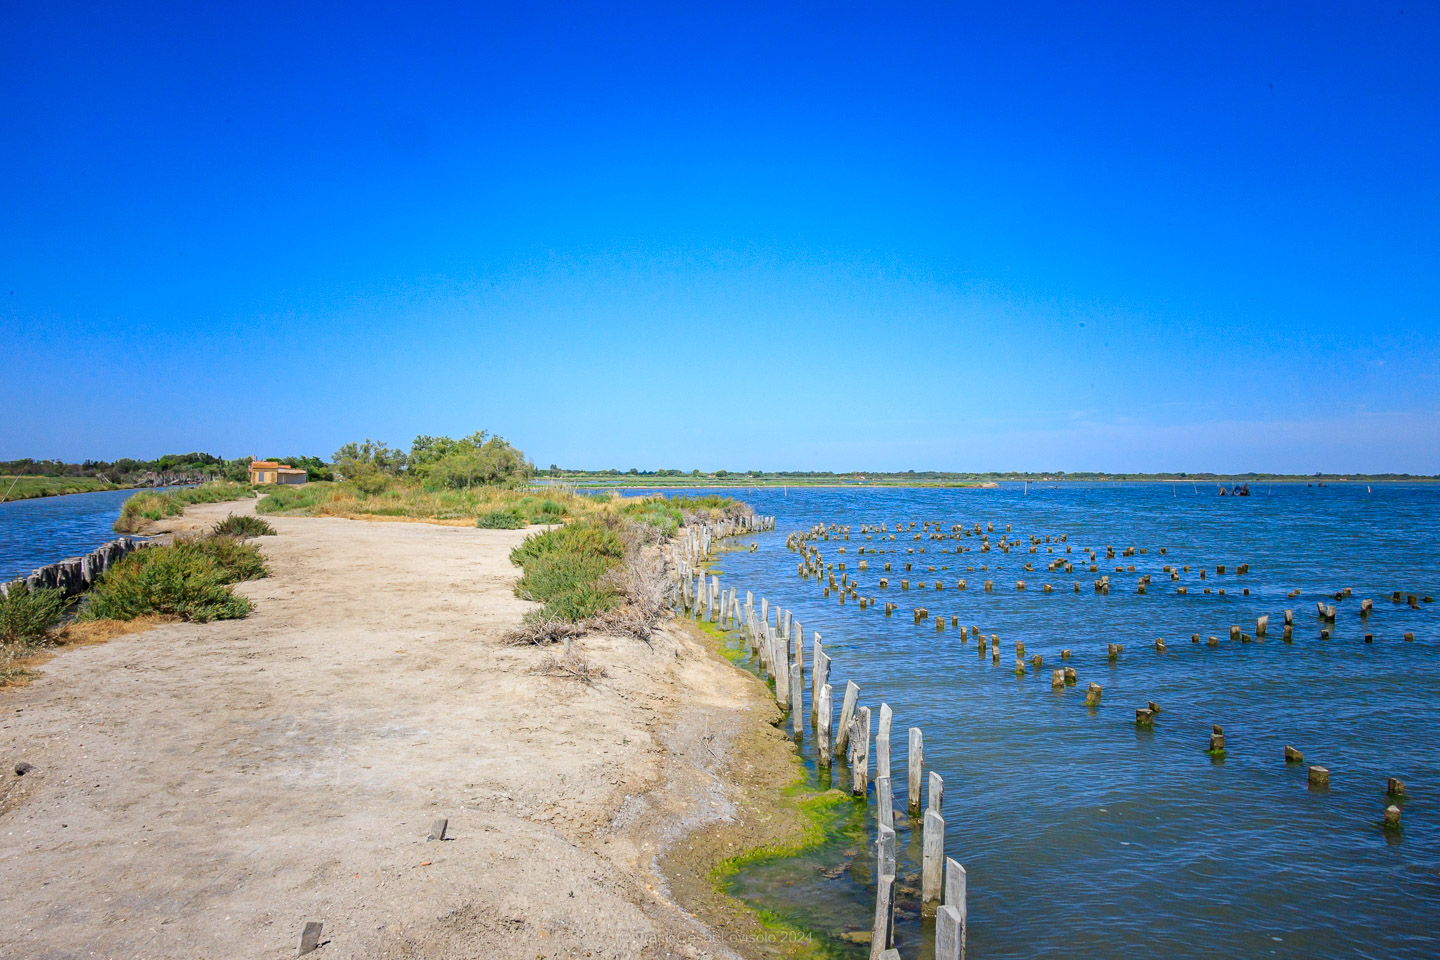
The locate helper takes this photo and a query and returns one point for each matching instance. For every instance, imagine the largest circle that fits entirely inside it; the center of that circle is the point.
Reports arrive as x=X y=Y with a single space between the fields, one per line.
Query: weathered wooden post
x=882 y=743
x=1392 y=818
x=882 y=934
x=951 y=921
x=884 y=802
x=885 y=850
x=847 y=716
x=915 y=762
x=1092 y=695
x=932 y=863
x=860 y=752
x=1319 y=777
x=820 y=677
x=782 y=670
x=797 y=698
x=822 y=731
x=935 y=798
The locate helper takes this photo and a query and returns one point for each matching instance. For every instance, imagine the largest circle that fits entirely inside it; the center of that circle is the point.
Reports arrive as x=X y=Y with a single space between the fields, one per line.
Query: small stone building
x=268 y=471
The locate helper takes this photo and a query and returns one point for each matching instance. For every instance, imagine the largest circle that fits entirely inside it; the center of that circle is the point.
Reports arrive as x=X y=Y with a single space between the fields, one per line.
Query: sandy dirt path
x=203 y=790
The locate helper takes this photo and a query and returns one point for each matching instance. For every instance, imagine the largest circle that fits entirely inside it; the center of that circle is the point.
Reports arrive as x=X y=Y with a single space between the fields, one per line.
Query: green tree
x=477 y=460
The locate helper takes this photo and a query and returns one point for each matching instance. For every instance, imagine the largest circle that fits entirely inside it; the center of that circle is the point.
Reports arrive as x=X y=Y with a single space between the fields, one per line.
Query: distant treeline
x=127 y=471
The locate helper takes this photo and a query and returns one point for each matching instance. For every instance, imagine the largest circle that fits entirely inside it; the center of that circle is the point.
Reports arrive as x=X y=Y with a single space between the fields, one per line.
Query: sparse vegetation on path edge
x=189 y=579
x=149 y=506
x=26 y=620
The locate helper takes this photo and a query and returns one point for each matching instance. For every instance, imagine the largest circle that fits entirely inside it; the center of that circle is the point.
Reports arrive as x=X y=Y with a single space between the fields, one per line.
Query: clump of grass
x=26 y=618
x=565 y=569
x=242 y=527
x=189 y=579
x=500 y=520
x=149 y=506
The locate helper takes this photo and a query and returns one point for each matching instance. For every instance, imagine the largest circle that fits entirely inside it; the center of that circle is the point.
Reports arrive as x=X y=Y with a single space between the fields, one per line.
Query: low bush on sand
x=500 y=520
x=26 y=617
x=242 y=527
x=189 y=579
x=565 y=569
x=26 y=620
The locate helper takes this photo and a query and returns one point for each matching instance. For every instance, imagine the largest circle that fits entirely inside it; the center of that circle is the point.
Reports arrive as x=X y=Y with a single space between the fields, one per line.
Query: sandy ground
x=204 y=790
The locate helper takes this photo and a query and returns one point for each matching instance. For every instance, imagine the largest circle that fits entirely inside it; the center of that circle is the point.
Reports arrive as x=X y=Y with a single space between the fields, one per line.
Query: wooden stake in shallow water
x=882 y=934
x=882 y=743
x=797 y=698
x=782 y=670
x=916 y=763
x=860 y=752
x=884 y=802
x=957 y=899
x=822 y=730
x=932 y=863
x=847 y=716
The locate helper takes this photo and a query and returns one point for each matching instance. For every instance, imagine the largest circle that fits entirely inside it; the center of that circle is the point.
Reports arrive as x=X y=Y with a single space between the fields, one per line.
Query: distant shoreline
x=27 y=488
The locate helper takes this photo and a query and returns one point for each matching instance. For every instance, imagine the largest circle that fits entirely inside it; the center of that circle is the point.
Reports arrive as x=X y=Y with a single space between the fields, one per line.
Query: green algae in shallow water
x=831 y=846
x=833 y=837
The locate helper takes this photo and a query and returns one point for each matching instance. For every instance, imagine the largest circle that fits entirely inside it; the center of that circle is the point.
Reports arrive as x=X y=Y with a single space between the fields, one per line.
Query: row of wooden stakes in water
x=780 y=651
x=694 y=545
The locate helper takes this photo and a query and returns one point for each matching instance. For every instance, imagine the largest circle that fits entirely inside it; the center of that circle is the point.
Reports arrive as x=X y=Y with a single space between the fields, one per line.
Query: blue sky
x=1018 y=236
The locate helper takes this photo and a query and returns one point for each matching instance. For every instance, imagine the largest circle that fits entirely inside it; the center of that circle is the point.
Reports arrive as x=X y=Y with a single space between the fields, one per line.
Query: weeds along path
x=202 y=790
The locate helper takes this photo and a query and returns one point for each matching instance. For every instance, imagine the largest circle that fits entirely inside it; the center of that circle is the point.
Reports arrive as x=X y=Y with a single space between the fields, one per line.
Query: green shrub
x=500 y=520
x=547 y=511
x=25 y=617
x=242 y=527
x=237 y=561
x=655 y=512
x=189 y=579
x=564 y=568
x=585 y=536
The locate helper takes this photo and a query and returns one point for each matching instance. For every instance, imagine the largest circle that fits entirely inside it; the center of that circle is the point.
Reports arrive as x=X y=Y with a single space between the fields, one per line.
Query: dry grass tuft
x=536 y=633
x=84 y=633
x=571 y=666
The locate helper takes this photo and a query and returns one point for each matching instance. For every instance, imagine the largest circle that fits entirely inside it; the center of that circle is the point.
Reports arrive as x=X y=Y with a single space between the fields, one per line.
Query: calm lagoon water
x=46 y=529
x=1082 y=834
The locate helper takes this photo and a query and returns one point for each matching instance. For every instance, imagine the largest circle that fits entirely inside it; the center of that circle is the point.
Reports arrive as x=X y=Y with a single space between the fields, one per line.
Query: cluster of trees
x=477 y=460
